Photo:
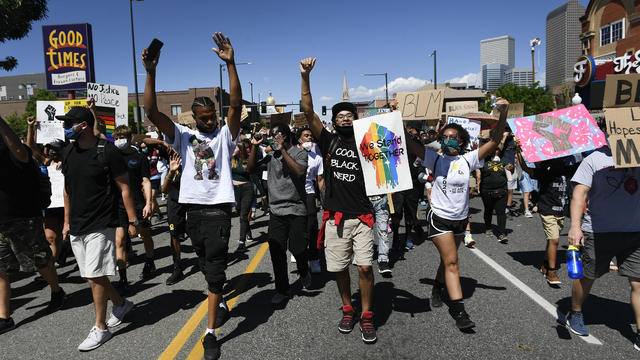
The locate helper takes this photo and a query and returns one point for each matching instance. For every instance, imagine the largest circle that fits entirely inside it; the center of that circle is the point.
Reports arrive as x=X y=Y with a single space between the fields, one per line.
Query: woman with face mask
x=492 y=182
x=449 y=212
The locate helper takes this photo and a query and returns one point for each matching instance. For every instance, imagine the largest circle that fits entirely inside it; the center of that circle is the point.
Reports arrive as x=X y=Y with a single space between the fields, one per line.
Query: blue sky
x=346 y=36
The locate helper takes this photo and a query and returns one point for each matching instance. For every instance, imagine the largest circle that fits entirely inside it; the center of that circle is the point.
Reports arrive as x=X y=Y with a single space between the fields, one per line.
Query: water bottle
x=574 y=262
x=44 y=170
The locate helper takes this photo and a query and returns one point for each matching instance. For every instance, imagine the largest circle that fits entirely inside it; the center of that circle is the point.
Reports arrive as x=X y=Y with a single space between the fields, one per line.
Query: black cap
x=76 y=115
x=56 y=144
x=341 y=107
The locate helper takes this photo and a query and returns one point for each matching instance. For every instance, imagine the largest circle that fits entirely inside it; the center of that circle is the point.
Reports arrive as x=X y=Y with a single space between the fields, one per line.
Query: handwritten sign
x=623 y=127
x=49 y=128
x=280 y=118
x=556 y=134
x=421 y=105
x=621 y=91
x=515 y=111
x=472 y=127
x=300 y=120
x=68 y=56
x=461 y=107
x=111 y=96
x=383 y=153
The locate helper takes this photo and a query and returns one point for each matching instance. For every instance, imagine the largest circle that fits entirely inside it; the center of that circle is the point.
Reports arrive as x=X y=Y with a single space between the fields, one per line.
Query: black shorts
x=439 y=226
x=600 y=248
x=176 y=217
x=123 y=218
x=155 y=184
x=57 y=213
x=405 y=203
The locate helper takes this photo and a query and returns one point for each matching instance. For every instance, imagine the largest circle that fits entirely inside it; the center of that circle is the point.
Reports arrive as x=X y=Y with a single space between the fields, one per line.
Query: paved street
x=515 y=310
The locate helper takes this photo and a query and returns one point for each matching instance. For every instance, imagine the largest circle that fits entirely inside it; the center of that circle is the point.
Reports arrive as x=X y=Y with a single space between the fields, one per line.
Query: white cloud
x=327 y=98
x=396 y=85
x=541 y=77
x=471 y=79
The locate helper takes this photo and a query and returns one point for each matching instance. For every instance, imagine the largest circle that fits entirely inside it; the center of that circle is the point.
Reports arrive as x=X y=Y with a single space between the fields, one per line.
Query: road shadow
x=150 y=311
x=388 y=299
x=256 y=311
x=240 y=284
x=613 y=314
x=468 y=285
x=16 y=303
x=535 y=258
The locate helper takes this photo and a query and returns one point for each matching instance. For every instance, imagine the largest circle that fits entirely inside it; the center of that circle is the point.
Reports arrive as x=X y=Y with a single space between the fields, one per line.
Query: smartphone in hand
x=154 y=48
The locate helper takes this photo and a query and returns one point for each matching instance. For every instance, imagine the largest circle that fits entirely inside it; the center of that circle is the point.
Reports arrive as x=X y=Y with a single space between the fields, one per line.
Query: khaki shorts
x=350 y=242
x=473 y=182
x=552 y=225
x=95 y=253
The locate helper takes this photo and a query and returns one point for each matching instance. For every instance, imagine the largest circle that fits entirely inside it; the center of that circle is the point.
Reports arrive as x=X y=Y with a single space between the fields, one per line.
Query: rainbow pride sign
x=383 y=153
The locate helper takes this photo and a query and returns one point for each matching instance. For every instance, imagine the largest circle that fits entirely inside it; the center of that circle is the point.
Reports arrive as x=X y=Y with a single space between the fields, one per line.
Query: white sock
x=211 y=331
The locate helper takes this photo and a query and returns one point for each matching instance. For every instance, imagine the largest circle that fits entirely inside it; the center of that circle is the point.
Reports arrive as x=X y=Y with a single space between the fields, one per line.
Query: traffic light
x=324 y=110
x=263 y=107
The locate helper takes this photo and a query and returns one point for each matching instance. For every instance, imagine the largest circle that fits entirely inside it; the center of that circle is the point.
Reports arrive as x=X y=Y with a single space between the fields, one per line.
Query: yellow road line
x=185 y=333
x=198 y=351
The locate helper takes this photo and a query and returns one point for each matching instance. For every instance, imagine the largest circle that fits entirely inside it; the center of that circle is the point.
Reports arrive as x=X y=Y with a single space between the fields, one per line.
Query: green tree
x=536 y=99
x=16 y=17
x=132 y=120
x=17 y=124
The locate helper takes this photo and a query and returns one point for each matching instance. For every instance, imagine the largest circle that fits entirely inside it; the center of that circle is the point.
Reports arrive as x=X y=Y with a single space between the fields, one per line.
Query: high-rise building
x=563 y=45
x=493 y=76
x=519 y=76
x=499 y=50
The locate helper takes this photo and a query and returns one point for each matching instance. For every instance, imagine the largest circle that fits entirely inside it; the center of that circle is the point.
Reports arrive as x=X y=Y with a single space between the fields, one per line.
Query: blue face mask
x=449 y=145
x=71 y=134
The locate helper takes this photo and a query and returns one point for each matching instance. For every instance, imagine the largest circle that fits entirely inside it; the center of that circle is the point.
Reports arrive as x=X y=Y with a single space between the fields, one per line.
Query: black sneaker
x=636 y=345
x=211 y=347
x=384 y=269
x=57 y=301
x=348 y=319
x=6 y=325
x=148 y=270
x=241 y=247
x=463 y=321
x=436 y=295
x=175 y=276
x=222 y=315
x=367 y=329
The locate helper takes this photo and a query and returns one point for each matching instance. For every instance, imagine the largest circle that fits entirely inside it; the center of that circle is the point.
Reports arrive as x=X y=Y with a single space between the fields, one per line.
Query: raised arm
x=12 y=141
x=413 y=146
x=225 y=52
x=497 y=132
x=31 y=141
x=160 y=120
x=256 y=140
x=91 y=104
x=306 y=65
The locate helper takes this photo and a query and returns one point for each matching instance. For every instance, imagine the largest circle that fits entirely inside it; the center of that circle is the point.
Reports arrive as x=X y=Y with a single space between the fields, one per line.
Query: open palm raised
x=224 y=50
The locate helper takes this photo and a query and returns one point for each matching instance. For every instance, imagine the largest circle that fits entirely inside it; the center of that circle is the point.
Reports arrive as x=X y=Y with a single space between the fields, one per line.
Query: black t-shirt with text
x=553 y=180
x=344 y=181
x=19 y=187
x=138 y=168
x=91 y=188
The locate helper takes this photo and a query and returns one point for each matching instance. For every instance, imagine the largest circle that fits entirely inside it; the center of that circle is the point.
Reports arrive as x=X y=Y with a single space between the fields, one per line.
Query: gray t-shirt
x=613 y=201
x=286 y=192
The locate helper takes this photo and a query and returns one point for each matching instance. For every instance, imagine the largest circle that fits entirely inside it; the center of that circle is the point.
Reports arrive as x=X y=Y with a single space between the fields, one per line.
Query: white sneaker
x=315 y=266
x=468 y=240
x=306 y=281
x=293 y=259
x=528 y=214
x=278 y=298
x=118 y=313
x=95 y=338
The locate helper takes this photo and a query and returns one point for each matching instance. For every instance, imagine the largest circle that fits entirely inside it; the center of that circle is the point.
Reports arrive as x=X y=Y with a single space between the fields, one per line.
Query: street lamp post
x=135 y=72
x=220 y=99
x=386 y=84
x=435 y=75
x=250 y=83
x=535 y=42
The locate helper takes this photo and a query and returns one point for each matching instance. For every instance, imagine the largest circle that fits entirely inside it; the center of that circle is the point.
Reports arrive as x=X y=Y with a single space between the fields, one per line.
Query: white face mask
x=496 y=158
x=307 y=145
x=121 y=143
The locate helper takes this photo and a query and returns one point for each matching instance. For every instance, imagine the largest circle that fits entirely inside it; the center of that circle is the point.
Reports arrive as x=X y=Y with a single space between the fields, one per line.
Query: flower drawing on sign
x=383 y=149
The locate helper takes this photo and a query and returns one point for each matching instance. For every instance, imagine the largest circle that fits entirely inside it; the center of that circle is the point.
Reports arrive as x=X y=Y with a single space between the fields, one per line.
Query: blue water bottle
x=574 y=262
x=44 y=170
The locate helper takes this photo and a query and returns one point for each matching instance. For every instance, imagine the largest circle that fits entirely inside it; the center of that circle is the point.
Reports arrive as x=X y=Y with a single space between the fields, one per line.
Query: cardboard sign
x=421 y=105
x=300 y=120
x=556 y=134
x=472 y=127
x=106 y=119
x=515 y=111
x=244 y=114
x=382 y=151
x=621 y=91
x=281 y=118
x=623 y=127
x=113 y=96
x=68 y=56
x=49 y=128
x=461 y=107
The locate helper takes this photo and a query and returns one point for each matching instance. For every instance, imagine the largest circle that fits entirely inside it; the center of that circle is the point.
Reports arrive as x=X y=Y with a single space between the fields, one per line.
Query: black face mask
x=344 y=131
x=205 y=130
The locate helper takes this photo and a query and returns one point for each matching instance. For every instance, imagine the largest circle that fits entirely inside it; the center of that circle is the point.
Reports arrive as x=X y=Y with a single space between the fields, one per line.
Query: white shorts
x=512 y=185
x=95 y=253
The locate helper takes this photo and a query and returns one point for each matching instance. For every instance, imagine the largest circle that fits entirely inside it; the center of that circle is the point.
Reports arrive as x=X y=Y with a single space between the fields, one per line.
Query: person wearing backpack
x=95 y=175
x=23 y=245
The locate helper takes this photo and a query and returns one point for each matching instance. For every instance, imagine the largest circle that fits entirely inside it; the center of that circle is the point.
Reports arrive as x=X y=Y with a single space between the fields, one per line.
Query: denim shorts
x=527 y=184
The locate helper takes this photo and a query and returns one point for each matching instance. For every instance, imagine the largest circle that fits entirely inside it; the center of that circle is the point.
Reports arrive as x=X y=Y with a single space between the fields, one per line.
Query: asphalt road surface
x=515 y=311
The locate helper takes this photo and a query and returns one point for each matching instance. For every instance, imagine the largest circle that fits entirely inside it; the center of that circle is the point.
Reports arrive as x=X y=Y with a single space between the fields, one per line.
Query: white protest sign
x=111 y=96
x=472 y=127
x=57 y=183
x=383 y=153
x=49 y=128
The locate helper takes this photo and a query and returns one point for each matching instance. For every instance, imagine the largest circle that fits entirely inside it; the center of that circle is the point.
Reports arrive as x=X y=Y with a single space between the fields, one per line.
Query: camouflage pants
x=23 y=245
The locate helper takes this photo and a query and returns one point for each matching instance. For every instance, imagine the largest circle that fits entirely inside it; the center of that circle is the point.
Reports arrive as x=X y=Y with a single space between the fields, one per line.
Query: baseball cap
x=76 y=115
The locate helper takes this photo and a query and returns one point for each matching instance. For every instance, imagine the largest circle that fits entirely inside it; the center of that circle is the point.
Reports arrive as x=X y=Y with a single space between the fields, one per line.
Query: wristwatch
x=134 y=223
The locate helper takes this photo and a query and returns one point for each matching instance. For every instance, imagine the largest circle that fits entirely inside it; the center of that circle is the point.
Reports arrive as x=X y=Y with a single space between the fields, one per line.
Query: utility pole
x=435 y=76
x=535 y=42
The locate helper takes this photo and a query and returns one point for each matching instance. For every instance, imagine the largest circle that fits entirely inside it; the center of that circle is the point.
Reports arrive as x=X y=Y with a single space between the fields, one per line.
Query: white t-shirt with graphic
x=314 y=169
x=206 y=165
x=450 y=193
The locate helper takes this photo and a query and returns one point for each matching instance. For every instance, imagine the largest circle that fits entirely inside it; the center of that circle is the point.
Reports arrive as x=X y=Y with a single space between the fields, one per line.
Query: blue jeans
x=380 y=234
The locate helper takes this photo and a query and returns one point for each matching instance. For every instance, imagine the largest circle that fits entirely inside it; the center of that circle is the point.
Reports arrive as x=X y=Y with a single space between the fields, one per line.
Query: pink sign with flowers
x=557 y=133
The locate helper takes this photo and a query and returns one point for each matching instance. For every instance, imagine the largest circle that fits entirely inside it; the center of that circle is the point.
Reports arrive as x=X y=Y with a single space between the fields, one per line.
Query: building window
x=176 y=110
x=612 y=32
